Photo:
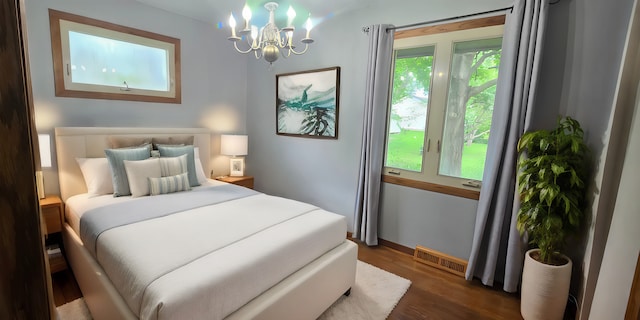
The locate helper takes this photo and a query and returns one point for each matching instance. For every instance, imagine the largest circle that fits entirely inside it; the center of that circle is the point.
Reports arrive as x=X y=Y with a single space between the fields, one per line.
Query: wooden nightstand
x=53 y=215
x=245 y=181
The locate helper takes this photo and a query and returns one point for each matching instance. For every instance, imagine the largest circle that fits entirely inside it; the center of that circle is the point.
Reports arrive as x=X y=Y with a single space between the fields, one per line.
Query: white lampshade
x=233 y=145
x=44 y=140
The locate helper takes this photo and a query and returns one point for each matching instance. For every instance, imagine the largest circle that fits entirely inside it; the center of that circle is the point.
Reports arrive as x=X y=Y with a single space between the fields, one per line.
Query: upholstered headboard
x=90 y=142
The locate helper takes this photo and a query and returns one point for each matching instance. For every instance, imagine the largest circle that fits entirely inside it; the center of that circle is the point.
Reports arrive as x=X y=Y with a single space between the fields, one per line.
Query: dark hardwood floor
x=434 y=294
x=65 y=288
x=437 y=294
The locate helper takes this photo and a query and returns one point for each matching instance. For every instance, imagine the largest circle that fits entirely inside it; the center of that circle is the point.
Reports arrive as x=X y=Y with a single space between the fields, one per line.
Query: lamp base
x=236 y=167
x=40 y=184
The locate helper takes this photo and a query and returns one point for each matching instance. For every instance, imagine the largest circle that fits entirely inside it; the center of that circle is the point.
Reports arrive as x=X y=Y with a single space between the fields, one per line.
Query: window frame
x=59 y=21
x=428 y=178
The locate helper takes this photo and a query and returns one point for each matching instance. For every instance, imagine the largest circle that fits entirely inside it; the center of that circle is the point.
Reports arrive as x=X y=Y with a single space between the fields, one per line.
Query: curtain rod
x=366 y=29
x=448 y=19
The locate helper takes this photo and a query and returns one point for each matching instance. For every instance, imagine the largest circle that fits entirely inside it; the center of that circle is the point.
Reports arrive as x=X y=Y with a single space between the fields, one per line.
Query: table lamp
x=234 y=146
x=44 y=141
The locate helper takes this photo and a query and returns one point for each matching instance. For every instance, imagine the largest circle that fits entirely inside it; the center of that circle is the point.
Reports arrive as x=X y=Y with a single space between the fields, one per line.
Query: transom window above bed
x=101 y=60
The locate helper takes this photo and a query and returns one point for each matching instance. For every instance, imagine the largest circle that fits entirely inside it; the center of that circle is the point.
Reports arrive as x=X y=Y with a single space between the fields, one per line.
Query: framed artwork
x=307 y=103
x=236 y=167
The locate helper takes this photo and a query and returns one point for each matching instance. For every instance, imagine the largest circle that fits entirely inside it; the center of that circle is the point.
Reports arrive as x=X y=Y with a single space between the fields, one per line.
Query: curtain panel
x=497 y=251
x=373 y=133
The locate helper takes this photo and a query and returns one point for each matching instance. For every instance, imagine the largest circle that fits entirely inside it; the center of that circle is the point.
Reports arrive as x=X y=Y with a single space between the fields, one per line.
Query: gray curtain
x=497 y=252
x=373 y=133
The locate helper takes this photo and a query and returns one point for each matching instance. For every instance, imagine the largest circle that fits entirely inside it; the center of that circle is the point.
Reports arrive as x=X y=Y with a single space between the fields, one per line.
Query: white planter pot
x=545 y=289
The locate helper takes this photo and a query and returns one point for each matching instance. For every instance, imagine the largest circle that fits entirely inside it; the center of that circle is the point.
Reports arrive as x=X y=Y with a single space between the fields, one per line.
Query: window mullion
x=437 y=103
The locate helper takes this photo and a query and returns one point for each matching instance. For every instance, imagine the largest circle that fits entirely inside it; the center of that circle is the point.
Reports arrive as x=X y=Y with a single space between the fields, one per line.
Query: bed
x=217 y=251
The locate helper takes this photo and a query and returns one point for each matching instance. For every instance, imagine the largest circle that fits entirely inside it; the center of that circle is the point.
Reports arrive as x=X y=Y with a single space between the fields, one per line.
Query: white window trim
x=437 y=102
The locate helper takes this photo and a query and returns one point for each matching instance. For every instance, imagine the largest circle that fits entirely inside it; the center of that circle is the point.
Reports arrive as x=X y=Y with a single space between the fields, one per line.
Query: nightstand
x=245 y=181
x=52 y=210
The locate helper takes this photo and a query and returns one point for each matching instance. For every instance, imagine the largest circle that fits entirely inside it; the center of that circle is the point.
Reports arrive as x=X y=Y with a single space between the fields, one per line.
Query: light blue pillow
x=169 y=184
x=116 y=159
x=166 y=151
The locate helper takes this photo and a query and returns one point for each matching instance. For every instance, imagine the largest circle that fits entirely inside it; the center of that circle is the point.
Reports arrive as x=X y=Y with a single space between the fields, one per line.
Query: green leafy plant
x=552 y=184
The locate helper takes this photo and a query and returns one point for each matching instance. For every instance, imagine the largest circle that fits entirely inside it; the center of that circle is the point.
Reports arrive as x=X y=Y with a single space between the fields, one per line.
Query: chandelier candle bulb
x=309 y=26
x=291 y=14
x=232 y=24
x=246 y=14
x=254 y=35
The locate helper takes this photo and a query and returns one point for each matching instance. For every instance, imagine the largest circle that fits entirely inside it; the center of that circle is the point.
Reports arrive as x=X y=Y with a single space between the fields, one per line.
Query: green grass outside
x=405 y=153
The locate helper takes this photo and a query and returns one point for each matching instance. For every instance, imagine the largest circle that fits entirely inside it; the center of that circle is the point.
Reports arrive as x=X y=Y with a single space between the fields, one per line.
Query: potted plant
x=551 y=183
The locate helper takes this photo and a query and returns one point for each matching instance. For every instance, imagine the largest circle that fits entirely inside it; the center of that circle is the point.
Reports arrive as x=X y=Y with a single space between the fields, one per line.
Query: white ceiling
x=217 y=11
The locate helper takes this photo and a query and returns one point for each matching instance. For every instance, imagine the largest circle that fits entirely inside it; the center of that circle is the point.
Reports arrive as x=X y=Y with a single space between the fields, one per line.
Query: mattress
x=209 y=260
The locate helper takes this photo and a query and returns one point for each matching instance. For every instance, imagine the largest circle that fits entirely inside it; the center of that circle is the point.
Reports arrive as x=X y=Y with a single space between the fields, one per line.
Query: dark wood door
x=23 y=281
x=633 y=306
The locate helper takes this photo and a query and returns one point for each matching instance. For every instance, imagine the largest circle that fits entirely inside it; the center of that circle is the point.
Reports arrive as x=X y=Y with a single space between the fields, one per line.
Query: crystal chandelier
x=268 y=41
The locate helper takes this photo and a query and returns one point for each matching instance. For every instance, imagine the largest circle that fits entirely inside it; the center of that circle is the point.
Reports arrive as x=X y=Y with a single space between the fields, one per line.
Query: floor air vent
x=440 y=260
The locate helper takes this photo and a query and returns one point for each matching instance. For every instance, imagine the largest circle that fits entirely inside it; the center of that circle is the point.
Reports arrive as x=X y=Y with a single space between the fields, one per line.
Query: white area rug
x=373 y=297
x=74 y=310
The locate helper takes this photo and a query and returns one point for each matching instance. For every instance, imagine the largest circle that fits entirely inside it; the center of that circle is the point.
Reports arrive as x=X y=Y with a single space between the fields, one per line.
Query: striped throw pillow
x=179 y=182
x=178 y=151
x=171 y=166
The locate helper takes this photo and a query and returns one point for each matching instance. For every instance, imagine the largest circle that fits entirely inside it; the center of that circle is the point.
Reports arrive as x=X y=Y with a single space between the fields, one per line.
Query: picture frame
x=236 y=167
x=307 y=103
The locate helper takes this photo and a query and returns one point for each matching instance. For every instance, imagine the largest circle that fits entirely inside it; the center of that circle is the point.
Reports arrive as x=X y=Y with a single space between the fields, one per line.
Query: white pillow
x=138 y=174
x=202 y=177
x=97 y=175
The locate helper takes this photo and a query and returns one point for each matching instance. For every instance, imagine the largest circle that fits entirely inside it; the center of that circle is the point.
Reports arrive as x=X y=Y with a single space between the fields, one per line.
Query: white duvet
x=210 y=261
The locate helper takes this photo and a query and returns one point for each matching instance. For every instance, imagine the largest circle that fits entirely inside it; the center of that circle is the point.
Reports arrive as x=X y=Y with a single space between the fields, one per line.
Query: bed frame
x=305 y=294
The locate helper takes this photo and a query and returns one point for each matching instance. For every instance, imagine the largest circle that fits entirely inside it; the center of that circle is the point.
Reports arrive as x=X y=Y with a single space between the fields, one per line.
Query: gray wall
x=325 y=172
x=584 y=45
x=213 y=80
x=623 y=245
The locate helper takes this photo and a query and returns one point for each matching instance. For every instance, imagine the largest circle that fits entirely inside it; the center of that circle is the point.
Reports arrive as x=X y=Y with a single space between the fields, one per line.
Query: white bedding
x=209 y=261
x=77 y=205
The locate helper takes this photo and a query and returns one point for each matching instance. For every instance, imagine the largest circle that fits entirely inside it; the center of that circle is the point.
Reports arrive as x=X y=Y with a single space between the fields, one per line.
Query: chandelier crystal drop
x=269 y=40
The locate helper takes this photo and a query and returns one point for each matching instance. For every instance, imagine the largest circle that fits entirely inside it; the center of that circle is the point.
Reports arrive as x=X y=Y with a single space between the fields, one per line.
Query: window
x=441 y=104
x=100 y=60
